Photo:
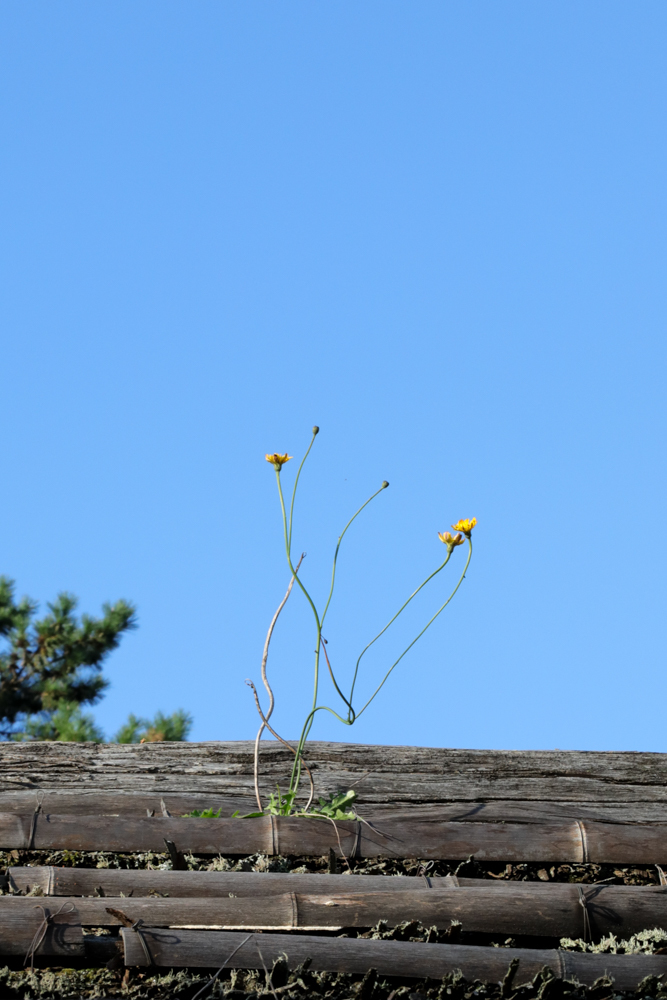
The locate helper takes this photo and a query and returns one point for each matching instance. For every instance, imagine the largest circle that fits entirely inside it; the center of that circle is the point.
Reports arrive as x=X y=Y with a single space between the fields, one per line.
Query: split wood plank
x=623 y=786
x=559 y=912
x=236 y=950
x=574 y=841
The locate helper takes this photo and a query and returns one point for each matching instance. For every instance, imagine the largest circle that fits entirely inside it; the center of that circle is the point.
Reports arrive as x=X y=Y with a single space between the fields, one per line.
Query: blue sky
x=435 y=229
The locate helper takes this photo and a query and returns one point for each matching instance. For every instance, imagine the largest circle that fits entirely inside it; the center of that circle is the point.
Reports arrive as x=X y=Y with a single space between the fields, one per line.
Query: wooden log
x=513 y=842
x=212 y=949
x=21 y=926
x=555 y=911
x=629 y=787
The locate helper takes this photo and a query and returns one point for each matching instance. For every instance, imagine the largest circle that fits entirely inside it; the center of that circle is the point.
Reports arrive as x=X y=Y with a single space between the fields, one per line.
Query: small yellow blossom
x=277 y=461
x=465 y=525
x=450 y=541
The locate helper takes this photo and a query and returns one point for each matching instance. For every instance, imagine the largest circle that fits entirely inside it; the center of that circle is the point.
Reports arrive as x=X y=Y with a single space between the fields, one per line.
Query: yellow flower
x=450 y=541
x=277 y=461
x=465 y=525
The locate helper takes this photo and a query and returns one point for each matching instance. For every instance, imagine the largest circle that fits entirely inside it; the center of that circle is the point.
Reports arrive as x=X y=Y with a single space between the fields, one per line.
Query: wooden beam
x=237 y=950
x=624 y=786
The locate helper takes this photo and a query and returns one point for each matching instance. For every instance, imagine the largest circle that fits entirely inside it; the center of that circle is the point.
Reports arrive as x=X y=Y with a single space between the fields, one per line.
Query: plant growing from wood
x=337 y=807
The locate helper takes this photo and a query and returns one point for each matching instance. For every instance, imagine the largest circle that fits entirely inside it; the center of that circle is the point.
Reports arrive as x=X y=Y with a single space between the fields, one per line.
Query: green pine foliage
x=67 y=722
x=51 y=666
x=172 y=728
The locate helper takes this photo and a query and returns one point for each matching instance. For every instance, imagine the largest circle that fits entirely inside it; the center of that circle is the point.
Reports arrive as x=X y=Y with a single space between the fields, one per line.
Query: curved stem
x=392 y=620
x=288 y=547
x=265 y=723
x=296 y=483
x=265 y=656
x=296 y=770
x=421 y=633
x=340 y=539
x=331 y=590
x=335 y=682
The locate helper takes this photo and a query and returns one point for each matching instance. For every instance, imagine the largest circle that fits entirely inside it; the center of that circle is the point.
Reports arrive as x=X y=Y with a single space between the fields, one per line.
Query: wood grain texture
x=212 y=949
x=19 y=925
x=388 y=837
x=556 y=911
x=136 y=804
x=137 y=883
x=202 y=884
x=473 y=785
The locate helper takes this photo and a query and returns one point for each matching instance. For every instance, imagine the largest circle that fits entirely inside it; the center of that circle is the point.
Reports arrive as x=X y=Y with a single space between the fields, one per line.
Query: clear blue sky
x=437 y=230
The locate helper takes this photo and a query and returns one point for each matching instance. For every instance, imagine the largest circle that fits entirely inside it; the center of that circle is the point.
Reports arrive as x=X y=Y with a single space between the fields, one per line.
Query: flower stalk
x=348 y=714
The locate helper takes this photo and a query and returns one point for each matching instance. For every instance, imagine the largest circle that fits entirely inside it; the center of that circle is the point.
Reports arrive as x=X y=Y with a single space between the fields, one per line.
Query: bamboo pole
x=212 y=949
x=137 y=882
x=43 y=927
x=556 y=911
x=575 y=841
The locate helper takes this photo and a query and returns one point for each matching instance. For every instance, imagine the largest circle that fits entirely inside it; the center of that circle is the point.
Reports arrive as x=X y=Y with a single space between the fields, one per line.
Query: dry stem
x=265 y=718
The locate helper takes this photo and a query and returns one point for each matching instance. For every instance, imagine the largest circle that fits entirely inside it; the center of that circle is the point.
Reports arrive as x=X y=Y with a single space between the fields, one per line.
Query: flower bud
x=316 y=430
x=384 y=485
x=449 y=541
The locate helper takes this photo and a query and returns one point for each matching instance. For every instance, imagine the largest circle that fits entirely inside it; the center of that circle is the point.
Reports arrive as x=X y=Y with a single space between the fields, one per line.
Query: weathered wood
x=554 y=911
x=137 y=882
x=87 y=802
x=212 y=949
x=19 y=925
x=514 y=842
x=623 y=786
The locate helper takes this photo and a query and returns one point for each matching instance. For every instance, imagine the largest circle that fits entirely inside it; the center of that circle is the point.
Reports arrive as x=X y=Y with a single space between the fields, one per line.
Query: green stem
x=392 y=620
x=335 y=682
x=331 y=590
x=296 y=483
x=340 y=539
x=422 y=631
x=288 y=550
x=296 y=769
x=307 y=726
